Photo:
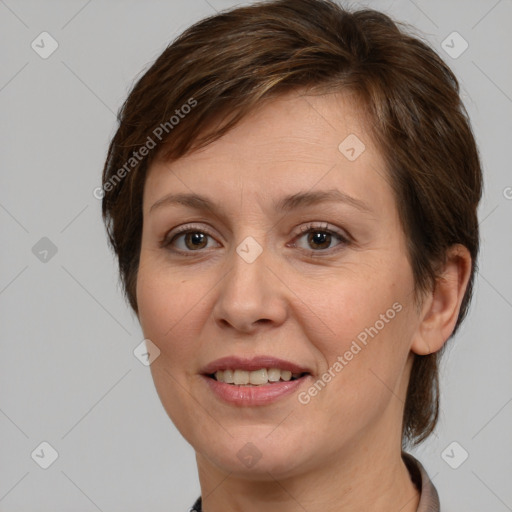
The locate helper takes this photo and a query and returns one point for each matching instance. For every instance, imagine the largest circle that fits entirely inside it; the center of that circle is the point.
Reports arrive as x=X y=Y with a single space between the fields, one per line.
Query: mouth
x=255 y=381
x=260 y=377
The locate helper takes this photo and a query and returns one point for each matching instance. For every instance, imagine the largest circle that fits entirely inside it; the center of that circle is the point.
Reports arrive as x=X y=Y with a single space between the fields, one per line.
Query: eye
x=320 y=238
x=187 y=239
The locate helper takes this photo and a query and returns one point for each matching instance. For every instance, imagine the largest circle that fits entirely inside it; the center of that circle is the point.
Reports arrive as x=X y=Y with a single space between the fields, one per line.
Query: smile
x=254 y=381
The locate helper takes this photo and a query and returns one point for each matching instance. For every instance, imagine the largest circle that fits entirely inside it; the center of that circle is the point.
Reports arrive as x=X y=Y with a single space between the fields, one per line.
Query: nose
x=251 y=296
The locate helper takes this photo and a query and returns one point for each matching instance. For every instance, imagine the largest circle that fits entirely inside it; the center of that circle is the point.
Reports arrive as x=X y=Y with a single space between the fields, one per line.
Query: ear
x=441 y=306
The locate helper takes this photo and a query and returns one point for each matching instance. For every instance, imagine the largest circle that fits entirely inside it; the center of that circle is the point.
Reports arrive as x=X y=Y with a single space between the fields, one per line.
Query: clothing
x=429 y=499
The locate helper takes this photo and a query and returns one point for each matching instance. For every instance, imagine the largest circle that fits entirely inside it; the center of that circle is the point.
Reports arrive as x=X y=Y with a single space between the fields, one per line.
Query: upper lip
x=252 y=364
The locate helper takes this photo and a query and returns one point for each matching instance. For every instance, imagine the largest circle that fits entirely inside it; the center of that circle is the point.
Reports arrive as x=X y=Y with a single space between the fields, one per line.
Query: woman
x=292 y=195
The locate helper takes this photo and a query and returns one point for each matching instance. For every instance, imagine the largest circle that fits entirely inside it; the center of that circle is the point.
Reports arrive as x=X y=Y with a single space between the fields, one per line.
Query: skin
x=300 y=301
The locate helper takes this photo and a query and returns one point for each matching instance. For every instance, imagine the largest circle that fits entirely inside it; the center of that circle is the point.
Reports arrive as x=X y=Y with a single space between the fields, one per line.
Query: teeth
x=286 y=374
x=241 y=377
x=258 y=377
x=254 y=378
x=274 y=374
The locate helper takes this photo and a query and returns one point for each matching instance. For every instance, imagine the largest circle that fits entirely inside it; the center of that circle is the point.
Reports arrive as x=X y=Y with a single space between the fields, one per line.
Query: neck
x=347 y=482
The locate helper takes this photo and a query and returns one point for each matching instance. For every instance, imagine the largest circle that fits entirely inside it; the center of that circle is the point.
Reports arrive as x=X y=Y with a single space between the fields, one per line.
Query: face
x=292 y=261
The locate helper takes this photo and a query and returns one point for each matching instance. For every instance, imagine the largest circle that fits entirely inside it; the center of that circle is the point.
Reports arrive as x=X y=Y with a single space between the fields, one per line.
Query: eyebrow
x=285 y=204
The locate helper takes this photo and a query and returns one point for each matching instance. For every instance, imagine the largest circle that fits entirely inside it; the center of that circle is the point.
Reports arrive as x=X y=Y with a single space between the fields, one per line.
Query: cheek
x=369 y=325
x=163 y=296
x=345 y=310
x=167 y=305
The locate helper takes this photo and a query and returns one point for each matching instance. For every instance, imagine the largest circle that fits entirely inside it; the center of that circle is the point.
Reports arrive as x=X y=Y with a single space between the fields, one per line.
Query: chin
x=253 y=464
x=258 y=456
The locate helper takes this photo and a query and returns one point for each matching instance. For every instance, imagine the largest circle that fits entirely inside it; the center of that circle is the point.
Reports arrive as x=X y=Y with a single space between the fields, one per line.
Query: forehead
x=291 y=143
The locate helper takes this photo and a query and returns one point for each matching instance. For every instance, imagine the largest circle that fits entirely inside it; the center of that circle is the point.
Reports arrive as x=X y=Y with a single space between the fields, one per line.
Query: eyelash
x=309 y=228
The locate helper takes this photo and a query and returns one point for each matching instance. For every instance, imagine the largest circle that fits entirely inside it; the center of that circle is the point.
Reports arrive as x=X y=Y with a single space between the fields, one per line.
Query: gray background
x=68 y=375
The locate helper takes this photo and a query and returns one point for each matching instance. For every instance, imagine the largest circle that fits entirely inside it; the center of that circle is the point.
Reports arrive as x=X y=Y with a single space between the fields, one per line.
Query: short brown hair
x=226 y=65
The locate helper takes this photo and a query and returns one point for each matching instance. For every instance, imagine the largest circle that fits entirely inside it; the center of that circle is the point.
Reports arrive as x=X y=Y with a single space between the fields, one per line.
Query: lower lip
x=253 y=395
